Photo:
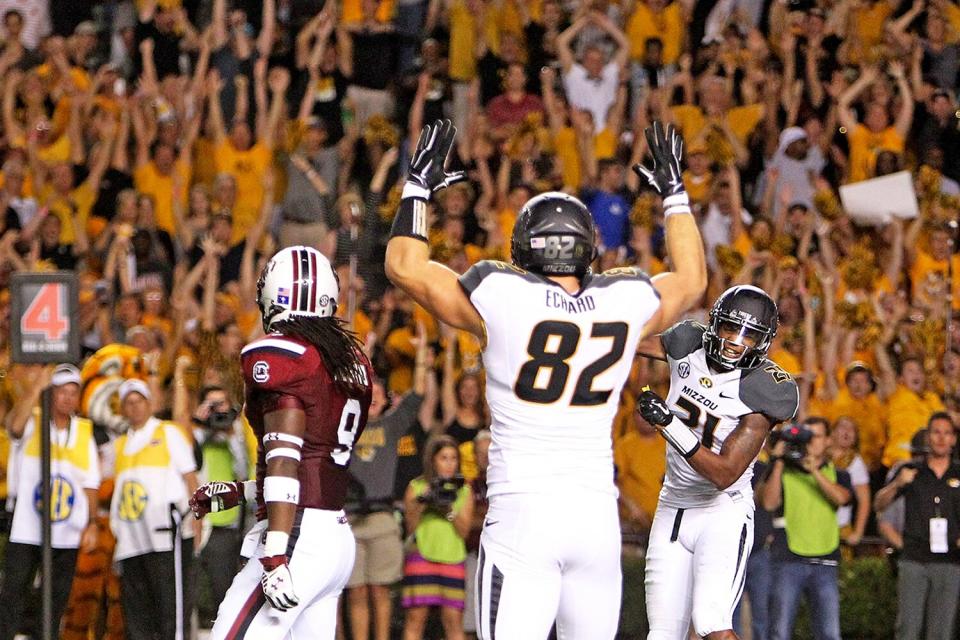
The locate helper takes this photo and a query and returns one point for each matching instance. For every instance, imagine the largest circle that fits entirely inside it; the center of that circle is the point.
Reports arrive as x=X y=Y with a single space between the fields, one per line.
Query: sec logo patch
x=62 y=497
x=133 y=501
x=261 y=371
x=683 y=369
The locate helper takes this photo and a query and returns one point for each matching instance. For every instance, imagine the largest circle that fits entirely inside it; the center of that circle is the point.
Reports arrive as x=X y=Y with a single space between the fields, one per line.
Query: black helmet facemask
x=728 y=317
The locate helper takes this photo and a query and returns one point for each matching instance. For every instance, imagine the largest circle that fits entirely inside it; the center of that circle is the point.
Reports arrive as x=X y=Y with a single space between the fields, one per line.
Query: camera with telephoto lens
x=442 y=492
x=795 y=437
x=219 y=420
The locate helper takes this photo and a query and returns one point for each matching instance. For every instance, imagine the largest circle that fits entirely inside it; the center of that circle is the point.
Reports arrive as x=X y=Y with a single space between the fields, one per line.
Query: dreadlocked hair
x=339 y=348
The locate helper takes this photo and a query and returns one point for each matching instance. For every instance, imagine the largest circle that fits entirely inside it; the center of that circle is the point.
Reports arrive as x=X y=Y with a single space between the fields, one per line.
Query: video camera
x=795 y=437
x=442 y=492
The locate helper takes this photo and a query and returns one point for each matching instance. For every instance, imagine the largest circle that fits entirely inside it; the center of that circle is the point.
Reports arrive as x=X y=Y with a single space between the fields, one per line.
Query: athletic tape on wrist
x=411 y=219
x=281 y=489
x=276 y=436
x=249 y=490
x=677 y=203
x=681 y=438
x=411 y=190
x=283 y=452
x=275 y=543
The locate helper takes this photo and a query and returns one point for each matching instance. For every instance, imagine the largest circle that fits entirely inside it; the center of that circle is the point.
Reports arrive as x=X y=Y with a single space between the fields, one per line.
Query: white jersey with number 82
x=555 y=366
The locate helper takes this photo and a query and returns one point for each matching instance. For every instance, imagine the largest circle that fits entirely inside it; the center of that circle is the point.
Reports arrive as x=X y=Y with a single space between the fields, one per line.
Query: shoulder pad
x=619 y=274
x=473 y=276
x=770 y=390
x=682 y=339
x=274 y=363
x=277 y=343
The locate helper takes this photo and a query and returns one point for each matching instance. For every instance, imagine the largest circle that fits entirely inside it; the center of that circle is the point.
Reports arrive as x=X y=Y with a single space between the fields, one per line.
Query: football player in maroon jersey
x=307 y=394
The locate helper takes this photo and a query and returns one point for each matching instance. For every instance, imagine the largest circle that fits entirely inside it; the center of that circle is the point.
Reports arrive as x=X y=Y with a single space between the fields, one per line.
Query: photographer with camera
x=929 y=566
x=220 y=435
x=803 y=491
x=438 y=512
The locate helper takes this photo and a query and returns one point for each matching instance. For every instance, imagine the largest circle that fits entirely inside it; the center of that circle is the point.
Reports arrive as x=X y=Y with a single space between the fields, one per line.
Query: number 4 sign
x=43 y=312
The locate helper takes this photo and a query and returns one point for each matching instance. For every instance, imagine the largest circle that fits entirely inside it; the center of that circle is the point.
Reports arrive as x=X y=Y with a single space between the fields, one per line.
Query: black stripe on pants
x=496 y=587
x=257 y=600
x=22 y=562
x=743 y=574
x=481 y=560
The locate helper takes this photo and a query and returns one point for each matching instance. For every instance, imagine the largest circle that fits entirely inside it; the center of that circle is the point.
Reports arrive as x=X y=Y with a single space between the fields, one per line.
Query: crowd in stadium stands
x=164 y=149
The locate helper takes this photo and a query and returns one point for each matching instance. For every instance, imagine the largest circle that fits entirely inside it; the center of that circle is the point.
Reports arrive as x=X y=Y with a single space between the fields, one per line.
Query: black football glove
x=667 y=150
x=653 y=408
x=426 y=167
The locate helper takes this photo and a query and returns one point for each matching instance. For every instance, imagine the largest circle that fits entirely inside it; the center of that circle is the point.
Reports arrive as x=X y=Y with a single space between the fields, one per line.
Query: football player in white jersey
x=725 y=395
x=558 y=342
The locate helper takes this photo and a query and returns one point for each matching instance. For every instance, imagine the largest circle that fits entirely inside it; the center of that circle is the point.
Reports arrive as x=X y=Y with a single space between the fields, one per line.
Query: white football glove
x=277 y=583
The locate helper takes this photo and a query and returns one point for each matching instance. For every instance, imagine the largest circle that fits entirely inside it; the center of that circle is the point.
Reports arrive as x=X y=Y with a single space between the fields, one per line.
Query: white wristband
x=677 y=203
x=277 y=436
x=681 y=437
x=281 y=489
x=411 y=190
x=282 y=452
x=275 y=544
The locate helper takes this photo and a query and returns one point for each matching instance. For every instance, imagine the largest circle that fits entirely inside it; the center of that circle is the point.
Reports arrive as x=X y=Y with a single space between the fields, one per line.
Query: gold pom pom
x=718 y=147
x=869 y=336
x=928 y=337
x=531 y=129
x=826 y=203
x=928 y=183
x=441 y=250
x=782 y=244
x=388 y=208
x=642 y=213
x=940 y=209
x=730 y=260
x=859 y=270
x=855 y=315
x=379 y=130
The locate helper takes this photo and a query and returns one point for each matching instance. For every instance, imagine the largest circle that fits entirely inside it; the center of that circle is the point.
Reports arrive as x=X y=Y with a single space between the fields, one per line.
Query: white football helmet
x=298 y=281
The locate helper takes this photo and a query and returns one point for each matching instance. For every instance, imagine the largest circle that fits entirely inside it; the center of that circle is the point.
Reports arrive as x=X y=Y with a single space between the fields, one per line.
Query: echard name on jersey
x=712 y=404
x=281 y=372
x=560 y=300
x=556 y=363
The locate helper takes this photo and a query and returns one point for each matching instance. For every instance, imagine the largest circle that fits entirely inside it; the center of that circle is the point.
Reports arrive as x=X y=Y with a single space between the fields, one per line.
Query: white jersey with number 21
x=712 y=404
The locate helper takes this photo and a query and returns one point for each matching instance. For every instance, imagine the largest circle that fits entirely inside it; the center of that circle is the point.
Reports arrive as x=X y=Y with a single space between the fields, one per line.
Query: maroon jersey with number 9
x=280 y=372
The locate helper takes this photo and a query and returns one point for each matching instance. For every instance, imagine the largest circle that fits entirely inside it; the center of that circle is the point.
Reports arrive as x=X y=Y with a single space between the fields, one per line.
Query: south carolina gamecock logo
x=261 y=371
